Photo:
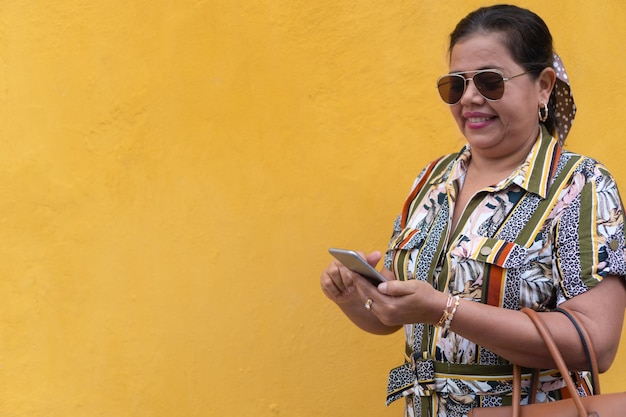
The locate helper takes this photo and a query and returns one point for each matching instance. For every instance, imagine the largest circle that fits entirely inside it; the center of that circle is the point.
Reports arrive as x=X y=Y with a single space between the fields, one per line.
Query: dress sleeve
x=590 y=240
x=389 y=253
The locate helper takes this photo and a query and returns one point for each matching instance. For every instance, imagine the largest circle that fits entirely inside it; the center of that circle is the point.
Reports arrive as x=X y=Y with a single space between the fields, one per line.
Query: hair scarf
x=565 y=106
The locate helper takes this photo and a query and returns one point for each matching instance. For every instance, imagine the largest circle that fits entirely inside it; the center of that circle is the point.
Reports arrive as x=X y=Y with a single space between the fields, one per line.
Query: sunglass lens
x=451 y=88
x=490 y=84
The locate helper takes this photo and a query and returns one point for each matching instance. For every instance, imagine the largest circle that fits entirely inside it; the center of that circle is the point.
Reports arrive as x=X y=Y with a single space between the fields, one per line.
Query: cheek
x=455 y=111
x=519 y=116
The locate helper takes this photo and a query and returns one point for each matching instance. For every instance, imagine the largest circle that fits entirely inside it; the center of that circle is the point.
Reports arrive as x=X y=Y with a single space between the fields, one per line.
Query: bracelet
x=450 y=316
x=446 y=314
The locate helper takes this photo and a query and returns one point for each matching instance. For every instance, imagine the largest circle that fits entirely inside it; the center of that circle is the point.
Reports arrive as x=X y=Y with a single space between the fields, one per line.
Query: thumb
x=397 y=288
x=373 y=258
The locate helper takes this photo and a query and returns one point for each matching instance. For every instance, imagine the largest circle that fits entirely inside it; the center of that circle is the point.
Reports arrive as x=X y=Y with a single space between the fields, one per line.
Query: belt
x=420 y=377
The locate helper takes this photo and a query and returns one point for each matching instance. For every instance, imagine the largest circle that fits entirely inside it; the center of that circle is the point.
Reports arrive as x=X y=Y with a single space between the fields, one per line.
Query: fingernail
x=382 y=287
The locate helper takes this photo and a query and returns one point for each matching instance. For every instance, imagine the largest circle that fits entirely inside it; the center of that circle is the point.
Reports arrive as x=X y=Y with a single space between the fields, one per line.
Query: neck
x=485 y=165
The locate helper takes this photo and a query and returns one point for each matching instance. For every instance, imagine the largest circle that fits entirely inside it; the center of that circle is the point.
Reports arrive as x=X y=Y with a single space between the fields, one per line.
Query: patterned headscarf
x=565 y=107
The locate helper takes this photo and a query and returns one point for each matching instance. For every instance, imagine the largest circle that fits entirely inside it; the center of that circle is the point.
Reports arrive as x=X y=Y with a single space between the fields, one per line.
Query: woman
x=513 y=220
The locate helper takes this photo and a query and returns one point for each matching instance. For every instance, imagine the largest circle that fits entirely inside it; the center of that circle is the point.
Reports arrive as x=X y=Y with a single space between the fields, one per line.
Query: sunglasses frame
x=467 y=79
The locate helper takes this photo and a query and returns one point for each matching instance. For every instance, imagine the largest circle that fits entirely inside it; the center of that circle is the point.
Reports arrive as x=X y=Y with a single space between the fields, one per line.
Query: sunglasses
x=488 y=82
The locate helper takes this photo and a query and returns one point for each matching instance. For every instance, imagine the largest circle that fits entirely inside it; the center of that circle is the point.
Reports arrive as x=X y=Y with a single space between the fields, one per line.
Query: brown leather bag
x=607 y=405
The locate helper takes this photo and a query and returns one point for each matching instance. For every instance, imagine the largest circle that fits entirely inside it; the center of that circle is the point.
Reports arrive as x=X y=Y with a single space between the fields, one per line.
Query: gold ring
x=368 y=304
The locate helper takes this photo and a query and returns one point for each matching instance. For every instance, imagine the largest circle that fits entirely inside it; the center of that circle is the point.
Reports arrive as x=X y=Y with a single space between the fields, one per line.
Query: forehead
x=479 y=51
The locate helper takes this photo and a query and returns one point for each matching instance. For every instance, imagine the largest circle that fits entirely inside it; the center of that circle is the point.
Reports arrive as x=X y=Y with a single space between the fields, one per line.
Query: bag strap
x=558 y=360
x=587 y=345
x=534 y=386
x=517 y=391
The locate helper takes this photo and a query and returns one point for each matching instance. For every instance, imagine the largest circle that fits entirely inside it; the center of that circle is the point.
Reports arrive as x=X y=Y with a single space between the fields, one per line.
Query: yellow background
x=172 y=173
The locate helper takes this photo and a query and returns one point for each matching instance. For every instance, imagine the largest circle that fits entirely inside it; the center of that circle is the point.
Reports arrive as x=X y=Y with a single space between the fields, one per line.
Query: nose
x=471 y=93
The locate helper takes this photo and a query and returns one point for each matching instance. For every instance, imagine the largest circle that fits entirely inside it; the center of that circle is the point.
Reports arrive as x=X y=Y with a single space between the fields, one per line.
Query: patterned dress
x=550 y=231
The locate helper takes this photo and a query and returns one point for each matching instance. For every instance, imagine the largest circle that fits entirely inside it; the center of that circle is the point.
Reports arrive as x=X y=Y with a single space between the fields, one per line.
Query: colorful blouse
x=550 y=231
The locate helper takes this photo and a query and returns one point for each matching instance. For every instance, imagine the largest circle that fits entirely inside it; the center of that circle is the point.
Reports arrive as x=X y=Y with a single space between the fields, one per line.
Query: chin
x=484 y=142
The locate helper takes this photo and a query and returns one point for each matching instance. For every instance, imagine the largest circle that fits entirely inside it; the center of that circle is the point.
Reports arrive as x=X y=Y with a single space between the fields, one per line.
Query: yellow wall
x=171 y=174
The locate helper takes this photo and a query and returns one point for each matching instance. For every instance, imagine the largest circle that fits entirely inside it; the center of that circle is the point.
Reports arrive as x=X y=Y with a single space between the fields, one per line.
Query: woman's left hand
x=403 y=302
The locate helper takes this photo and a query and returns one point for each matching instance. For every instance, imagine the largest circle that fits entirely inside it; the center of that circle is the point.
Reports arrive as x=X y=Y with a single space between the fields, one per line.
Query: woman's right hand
x=341 y=285
x=339 y=282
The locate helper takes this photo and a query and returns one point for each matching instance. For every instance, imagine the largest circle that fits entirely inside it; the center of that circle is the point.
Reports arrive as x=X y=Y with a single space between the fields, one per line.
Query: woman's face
x=496 y=129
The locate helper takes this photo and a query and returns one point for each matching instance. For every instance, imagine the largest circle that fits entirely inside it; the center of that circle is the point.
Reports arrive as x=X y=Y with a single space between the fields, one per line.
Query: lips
x=477 y=120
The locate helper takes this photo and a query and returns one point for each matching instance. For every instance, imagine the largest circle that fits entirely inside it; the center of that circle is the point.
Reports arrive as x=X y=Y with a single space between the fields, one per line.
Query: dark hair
x=525 y=35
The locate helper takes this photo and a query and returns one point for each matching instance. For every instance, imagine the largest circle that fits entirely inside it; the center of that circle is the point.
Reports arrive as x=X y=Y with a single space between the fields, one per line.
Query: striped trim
x=536 y=222
x=495 y=286
x=407 y=238
x=588 y=232
x=495 y=275
x=543 y=161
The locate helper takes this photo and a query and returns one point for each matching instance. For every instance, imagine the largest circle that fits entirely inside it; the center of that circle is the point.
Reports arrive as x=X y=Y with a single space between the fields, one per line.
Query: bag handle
x=558 y=360
x=587 y=345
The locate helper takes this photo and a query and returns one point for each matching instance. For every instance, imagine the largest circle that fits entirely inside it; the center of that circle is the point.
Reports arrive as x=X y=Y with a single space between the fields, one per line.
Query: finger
x=398 y=288
x=328 y=285
x=373 y=258
x=341 y=279
x=365 y=288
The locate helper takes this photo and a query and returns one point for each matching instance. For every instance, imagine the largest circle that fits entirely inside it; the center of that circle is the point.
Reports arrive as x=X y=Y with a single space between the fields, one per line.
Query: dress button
x=614 y=244
x=485 y=250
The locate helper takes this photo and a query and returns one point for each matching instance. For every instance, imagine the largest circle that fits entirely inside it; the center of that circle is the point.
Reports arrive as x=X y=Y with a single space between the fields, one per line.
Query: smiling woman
x=511 y=221
x=172 y=174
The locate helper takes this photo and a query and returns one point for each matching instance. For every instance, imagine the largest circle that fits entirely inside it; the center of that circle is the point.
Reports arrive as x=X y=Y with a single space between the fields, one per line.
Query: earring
x=543 y=117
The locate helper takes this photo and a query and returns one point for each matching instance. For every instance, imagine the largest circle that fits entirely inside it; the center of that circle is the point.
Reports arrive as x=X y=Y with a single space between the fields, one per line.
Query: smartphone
x=356 y=263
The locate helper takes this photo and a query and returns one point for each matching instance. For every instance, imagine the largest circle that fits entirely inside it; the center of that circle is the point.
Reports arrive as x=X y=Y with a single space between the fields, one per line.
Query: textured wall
x=171 y=174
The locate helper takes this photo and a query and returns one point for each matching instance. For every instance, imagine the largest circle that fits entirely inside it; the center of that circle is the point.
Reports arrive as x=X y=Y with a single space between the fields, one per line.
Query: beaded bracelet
x=446 y=314
x=450 y=316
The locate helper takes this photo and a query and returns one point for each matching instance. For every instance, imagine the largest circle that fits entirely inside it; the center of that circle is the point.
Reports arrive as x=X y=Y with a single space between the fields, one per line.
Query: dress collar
x=536 y=172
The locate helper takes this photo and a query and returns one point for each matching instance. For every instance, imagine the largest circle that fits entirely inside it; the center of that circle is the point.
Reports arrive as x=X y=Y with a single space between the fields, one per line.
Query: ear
x=545 y=83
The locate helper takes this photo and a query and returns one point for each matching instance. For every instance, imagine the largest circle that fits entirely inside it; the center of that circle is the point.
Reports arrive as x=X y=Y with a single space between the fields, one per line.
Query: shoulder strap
x=587 y=345
x=557 y=357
